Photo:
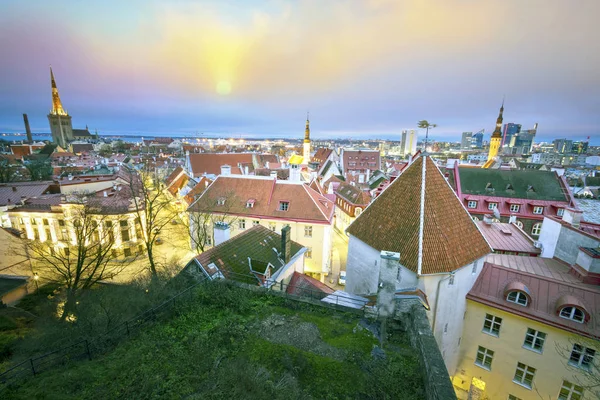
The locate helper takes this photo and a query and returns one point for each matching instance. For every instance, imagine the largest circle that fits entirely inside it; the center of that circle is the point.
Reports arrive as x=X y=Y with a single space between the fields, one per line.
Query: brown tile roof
x=353 y=194
x=304 y=203
x=507 y=237
x=321 y=155
x=256 y=243
x=361 y=160
x=12 y=193
x=306 y=286
x=176 y=180
x=448 y=237
x=210 y=163
x=547 y=295
x=197 y=190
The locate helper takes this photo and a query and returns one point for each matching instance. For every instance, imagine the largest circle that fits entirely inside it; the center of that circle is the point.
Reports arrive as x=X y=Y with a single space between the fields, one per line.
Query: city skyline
x=364 y=70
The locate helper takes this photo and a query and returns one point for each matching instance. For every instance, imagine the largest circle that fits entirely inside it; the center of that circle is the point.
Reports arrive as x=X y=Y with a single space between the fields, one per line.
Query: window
x=570 y=391
x=484 y=358
x=114 y=253
x=125 y=235
x=63 y=235
x=492 y=206
x=446 y=328
x=519 y=224
x=451 y=280
x=284 y=205
x=513 y=397
x=538 y=210
x=524 y=375
x=66 y=251
x=537 y=228
x=208 y=241
x=127 y=252
x=560 y=212
x=272 y=226
x=45 y=221
x=534 y=340
x=399 y=275
x=308 y=231
x=517 y=297
x=33 y=221
x=255 y=222
x=514 y=208
x=123 y=223
x=572 y=313
x=474 y=269
x=48 y=235
x=582 y=357
x=492 y=325
x=472 y=204
x=308 y=253
x=221 y=201
x=242 y=224
x=108 y=224
x=250 y=203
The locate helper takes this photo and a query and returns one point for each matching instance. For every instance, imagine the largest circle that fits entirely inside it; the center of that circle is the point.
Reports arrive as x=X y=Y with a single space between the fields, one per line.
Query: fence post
x=32 y=367
x=87 y=349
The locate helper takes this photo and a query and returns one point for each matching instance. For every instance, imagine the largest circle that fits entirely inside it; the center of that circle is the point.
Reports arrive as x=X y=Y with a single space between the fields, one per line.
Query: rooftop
x=507 y=237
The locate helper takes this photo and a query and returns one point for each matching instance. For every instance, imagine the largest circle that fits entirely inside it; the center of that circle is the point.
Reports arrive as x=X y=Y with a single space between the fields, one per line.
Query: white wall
x=549 y=237
x=362 y=267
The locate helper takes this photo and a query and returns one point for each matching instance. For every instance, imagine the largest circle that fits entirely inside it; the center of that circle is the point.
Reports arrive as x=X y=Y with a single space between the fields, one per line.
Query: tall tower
x=306 y=152
x=60 y=121
x=496 y=140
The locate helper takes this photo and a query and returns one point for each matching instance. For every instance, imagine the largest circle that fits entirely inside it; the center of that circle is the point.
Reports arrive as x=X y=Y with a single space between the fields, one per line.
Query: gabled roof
x=507 y=237
x=210 y=163
x=304 y=204
x=353 y=194
x=258 y=243
x=322 y=154
x=524 y=184
x=197 y=190
x=419 y=216
x=361 y=160
x=14 y=192
x=547 y=295
x=304 y=285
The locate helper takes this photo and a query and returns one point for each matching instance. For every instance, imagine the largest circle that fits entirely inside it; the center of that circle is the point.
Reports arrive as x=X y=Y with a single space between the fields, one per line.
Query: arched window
x=475 y=219
x=519 y=224
x=537 y=228
x=572 y=313
x=517 y=297
x=357 y=211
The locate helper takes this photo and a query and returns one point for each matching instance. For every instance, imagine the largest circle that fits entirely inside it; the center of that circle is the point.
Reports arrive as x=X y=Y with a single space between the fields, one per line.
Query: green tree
x=39 y=170
x=7 y=171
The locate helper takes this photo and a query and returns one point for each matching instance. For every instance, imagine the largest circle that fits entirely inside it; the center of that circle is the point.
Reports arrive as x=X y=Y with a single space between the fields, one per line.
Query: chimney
x=487 y=219
x=225 y=170
x=512 y=219
x=14 y=188
x=27 y=128
x=105 y=194
x=221 y=232
x=273 y=174
x=267 y=165
x=70 y=177
x=286 y=244
x=572 y=216
x=388 y=275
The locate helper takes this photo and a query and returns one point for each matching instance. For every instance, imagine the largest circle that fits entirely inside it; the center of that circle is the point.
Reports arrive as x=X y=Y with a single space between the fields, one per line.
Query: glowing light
x=223 y=88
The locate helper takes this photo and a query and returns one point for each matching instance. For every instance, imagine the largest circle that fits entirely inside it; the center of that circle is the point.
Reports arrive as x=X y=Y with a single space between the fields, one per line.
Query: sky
x=363 y=68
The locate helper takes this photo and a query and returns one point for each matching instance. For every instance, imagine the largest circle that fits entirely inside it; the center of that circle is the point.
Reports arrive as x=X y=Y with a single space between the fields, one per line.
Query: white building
x=408 y=143
x=441 y=249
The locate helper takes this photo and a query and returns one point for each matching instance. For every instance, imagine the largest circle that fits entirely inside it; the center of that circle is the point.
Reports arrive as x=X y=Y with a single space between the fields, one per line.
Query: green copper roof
x=522 y=184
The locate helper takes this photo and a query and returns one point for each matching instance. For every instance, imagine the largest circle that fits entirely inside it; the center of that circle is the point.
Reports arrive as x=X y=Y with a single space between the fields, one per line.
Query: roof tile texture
x=451 y=240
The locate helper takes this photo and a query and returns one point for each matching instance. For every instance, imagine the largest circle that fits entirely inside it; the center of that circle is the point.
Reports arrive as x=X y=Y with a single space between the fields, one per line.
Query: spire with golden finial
x=57 y=108
x=307 y=130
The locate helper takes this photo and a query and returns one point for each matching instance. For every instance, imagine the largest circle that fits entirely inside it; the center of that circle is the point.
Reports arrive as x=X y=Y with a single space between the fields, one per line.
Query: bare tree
x=83 y=258
x=580 y=356
x=154 y=208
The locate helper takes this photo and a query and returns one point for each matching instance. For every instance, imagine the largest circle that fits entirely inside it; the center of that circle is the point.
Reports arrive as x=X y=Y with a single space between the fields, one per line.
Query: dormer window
x=572 y=313
x=509 y=187
x=284 y=205
x=471 y=204
x=250 y=203
x=530 y=189
x=560 y=212
x=517 y=297
x=514 y=208
x=538 y=210
x=221 y=201
x=492 y=206
x=489 y=187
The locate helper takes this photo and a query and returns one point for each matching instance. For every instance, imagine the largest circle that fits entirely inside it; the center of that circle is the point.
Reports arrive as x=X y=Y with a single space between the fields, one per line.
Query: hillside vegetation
x=231 y=343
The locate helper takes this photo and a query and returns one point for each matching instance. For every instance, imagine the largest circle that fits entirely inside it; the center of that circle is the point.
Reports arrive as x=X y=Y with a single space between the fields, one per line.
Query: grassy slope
x=214 y=350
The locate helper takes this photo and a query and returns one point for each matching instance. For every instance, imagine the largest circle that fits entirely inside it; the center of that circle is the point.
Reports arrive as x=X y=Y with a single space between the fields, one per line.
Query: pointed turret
x=498 y=130
x=495 y=140
x=306 y=149
x=57 y=108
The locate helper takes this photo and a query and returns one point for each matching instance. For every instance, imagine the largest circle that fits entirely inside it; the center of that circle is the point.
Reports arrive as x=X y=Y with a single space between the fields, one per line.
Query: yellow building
x=495 y=140
x=529 y=335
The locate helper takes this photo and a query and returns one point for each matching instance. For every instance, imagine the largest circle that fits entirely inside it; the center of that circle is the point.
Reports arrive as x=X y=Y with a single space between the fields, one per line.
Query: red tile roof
x=446 y=236
x=361 y=160
x=547 y=296
x=304 y=285
x=321 y=155
x=304 y=203
x=211 y=163
x=197 y=190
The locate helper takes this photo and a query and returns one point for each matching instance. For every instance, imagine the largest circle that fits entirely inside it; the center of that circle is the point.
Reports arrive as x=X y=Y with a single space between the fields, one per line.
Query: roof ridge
x=421 y=216
x=306 y=188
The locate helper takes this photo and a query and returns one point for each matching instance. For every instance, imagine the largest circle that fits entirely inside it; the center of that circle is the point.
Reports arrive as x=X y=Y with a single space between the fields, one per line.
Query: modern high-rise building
x=60 y=121
x=478 y=139
x=562 y=145
x=408 y=144
x=466 y=141
x=579 y=147
x=510 y=130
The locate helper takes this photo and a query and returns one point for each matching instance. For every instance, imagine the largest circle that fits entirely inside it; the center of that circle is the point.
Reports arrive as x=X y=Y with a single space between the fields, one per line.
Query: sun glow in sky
x=363 y=67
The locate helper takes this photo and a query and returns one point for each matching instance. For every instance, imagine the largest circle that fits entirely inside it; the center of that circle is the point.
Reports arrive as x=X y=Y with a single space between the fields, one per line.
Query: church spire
x=57 y=108
x=307 y=130
x=498 y=130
